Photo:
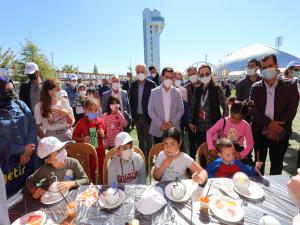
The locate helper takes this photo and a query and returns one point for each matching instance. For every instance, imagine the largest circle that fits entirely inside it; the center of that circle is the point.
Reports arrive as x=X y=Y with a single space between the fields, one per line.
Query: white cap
x=30 y=68
x=122 y=139
x=293 y=64
x=73 y=77
x=63 y=93
x=48 y=145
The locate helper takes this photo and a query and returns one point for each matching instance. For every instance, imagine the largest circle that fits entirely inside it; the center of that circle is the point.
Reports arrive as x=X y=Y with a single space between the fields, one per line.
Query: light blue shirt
x=269 y=111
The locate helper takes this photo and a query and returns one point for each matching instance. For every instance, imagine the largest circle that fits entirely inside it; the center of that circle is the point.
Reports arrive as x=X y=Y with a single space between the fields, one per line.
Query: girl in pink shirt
x=114 y=121
x=234 y=128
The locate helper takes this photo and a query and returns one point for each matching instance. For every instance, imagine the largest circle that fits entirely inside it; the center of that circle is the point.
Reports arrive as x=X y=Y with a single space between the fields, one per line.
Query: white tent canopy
x=237 y=61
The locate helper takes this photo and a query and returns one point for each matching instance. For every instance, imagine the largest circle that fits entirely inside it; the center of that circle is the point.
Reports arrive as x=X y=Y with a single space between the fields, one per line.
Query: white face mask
x=205 y=79
x=58 y=96
x=167 y=83
x=178 y=83
x=193 y=78
x=82 y=93
x=127 y=154
x=251 y=72
x=61 y=157
x=73 y=84
x=115 y=86
x=141 y=76
x=268 y=74
x=153 y=75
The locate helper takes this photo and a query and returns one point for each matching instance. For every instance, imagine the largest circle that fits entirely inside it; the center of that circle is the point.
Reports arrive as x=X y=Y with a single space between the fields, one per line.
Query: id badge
x=94 y=137
x=202 y=114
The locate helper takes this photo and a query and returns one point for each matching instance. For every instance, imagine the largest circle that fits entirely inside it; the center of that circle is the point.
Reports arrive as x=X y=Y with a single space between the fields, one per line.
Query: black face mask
x=6 y=97
x=32 y=77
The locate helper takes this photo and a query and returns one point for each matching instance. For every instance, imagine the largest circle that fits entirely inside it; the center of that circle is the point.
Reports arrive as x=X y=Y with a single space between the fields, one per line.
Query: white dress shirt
x=167 y=103
x=269 y=111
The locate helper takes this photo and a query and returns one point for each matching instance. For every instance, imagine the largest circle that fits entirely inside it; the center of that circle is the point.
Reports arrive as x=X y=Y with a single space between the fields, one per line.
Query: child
x=226 y=165
x=114 y=120
x=91 y=129
x=172 y=163
x=68 y=171
x=236 y=129
x=127 y=167
x=79 y=103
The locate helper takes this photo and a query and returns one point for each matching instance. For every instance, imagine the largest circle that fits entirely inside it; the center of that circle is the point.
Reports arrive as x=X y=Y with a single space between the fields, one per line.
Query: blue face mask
x=92 y=116
x=268 y=74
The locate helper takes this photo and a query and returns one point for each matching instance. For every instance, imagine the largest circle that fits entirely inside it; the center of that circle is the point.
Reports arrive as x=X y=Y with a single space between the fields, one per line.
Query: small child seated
x=226 y=165
x=127 y=167
x=171 y=163
x=58 y=167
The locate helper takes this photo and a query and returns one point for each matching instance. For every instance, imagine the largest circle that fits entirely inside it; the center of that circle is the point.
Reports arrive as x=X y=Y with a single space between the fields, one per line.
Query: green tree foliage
x=95 y=69
x=31 y=53
x=6 y=57
x=70 y=68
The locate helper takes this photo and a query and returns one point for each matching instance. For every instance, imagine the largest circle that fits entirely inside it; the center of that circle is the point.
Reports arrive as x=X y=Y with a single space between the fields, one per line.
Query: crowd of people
x=38 y=123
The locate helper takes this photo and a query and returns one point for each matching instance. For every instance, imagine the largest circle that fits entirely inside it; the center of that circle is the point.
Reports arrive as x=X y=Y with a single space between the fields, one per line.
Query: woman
x=53 y=113
x=205 y=110
x=17 y=138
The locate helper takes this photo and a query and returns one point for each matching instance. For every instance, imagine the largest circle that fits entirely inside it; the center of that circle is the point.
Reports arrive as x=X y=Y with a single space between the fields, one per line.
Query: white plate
x=105 y=205
x=23 y=220
x=49 y=198
x=227 y=204
x=254 y=191
x=189 y=190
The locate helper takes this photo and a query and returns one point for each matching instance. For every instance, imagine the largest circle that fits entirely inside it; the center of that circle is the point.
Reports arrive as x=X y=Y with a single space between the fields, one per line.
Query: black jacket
x=133 y=98
x=24 y=94
x=285 y=104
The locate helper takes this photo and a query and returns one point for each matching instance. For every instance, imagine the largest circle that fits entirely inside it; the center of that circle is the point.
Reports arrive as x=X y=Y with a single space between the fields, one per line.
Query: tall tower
x=153 y=24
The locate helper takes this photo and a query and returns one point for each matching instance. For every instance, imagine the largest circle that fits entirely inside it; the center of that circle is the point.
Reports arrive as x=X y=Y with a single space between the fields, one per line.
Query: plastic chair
x=202 y=156
x=109 y=156
x=82 y=152
x=154 y=151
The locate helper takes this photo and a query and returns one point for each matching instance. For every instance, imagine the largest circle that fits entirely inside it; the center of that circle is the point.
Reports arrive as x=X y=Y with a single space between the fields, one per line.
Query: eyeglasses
x=204 y=74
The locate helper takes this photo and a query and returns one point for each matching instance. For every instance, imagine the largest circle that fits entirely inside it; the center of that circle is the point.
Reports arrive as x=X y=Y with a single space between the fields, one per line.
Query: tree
x=31 y=53
x=69 y=68
x=6 y=57
x=95 y=70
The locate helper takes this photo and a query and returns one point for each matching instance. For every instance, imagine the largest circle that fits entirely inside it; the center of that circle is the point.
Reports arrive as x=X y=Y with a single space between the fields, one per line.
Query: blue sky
x=109 y=33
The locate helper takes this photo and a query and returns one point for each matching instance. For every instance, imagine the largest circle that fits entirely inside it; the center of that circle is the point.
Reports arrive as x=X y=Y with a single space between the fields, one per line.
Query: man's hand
x=24 y=159
x=192 y=127
x=273 y=136
x=275 y=126
x=163 y=127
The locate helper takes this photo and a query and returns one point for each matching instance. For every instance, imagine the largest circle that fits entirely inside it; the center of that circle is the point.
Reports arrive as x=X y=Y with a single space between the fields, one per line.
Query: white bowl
x=111 y=197
x=268 y=220
x=53 y=187
x=178 y=191
x=241 y=181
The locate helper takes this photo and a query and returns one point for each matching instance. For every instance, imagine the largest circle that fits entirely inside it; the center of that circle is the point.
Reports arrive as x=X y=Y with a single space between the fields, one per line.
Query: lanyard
x=203 y=98
x=122 y=166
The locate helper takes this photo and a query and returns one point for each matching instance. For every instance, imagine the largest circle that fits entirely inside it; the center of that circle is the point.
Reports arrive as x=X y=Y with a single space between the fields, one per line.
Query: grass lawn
x=290 y=159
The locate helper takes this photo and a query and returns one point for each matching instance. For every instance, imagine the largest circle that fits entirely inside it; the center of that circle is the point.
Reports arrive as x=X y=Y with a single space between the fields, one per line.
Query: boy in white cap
x=127 y=167
x=58 y=167
x=30 y=91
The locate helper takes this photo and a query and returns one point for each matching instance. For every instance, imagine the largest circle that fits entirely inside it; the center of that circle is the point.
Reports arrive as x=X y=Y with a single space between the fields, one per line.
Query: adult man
x=293 y=70
x=30 y=91
x=276 y=101
x=243 y=87
x=122 y=95
x=139 y=95
x=72 y=89
x=154 y=76
x=104 y=87
x=127 y=83
x=165 y=106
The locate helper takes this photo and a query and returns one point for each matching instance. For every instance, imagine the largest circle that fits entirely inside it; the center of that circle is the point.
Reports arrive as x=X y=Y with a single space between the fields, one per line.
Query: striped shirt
x=114 y=124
